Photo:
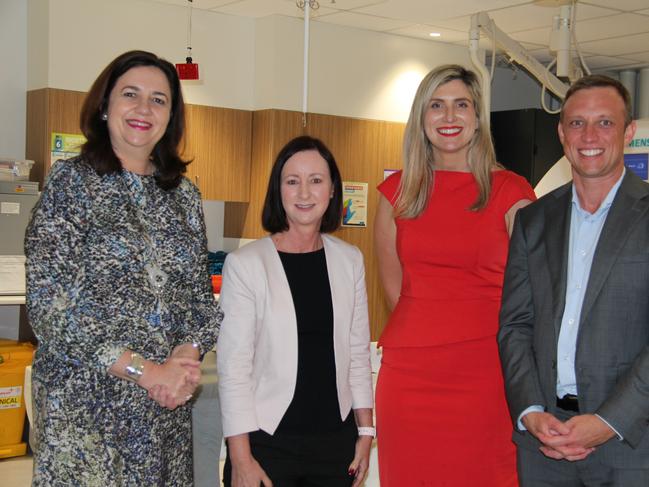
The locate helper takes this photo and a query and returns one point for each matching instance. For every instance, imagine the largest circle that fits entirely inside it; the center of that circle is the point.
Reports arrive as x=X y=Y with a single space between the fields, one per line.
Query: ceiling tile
x=199 y=4
x=362 y=21
x=525 y=17
x=430 y=12
x=347 y=4
x=593 y=29
x=264 y=8
x=625 y=5
x=619 y=46
x=600 y=31
x=613 y=26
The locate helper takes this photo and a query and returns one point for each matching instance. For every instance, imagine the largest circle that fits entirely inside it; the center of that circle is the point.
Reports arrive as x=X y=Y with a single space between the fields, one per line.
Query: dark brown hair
x=98 y=151
x=601 y=81
x=273 y=217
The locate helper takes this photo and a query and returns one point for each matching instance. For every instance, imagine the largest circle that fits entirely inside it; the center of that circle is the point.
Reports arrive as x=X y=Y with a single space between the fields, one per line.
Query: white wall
x=352 y=72
x=13 y=77
x=84 y=35
x=38 y=43
x=244 y=63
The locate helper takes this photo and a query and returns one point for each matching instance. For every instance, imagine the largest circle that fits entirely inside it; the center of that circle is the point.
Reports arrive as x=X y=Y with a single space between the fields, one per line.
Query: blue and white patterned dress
x=90 y=247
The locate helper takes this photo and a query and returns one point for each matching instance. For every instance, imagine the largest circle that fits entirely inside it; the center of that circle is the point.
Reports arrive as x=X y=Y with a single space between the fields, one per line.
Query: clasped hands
x=172 y=383
x=571 y=440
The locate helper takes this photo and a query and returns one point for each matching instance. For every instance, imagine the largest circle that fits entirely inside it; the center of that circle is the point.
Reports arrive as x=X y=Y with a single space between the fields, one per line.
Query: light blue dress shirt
x=585 y=229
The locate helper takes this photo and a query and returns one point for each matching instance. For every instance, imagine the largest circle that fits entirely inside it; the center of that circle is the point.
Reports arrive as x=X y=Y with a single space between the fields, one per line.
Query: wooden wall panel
x=218 y=140
x=36 y=140
x=234 y=151
x=363 y=148
x=271 y=129
x=49 y=110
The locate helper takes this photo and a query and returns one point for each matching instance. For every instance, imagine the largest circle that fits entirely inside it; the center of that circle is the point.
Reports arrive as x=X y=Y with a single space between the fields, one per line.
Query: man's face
x=593 y=134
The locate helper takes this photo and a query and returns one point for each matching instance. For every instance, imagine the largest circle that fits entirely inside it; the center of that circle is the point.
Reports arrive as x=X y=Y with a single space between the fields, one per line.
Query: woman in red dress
x=442 y=232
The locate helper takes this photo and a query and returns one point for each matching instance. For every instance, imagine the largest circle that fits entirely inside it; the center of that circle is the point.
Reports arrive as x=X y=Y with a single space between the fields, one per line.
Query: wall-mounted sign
x=637 y=163
x=354 y=204
x=65 y=146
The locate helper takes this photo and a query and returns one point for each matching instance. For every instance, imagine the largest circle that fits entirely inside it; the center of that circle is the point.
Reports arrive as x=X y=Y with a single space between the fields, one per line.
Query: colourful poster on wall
x=354 y=204
x=65 y=146
x=636 y=154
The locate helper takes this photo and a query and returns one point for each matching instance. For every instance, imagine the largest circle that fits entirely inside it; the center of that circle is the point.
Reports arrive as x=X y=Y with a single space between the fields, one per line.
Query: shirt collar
x=608 y=201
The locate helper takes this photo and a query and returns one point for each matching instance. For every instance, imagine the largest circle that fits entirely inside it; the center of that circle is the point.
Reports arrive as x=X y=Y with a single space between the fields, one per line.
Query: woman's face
x=306 y=189
x=139 y=108
x=450 y=121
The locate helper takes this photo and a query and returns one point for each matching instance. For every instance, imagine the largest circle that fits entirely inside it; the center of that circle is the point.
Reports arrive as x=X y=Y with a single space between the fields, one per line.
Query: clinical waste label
x=10 y=397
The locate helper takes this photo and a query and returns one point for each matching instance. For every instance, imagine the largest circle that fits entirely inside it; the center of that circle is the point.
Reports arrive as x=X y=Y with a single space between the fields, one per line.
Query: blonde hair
x=418 y=173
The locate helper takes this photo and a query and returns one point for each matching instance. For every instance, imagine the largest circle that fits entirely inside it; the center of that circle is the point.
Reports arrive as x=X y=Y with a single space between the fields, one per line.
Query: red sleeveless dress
x=442 y=418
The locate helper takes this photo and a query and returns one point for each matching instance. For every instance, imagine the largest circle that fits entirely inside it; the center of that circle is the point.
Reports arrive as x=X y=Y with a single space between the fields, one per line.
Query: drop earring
x=104 y=116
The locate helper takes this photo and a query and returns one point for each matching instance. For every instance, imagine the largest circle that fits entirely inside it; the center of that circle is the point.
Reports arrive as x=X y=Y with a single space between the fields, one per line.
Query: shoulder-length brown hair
x=98 y=151
x=418 y=165
x=273 y=217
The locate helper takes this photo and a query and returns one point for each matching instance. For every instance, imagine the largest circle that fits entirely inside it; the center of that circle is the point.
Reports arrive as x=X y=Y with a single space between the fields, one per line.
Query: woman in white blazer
x=293 y=353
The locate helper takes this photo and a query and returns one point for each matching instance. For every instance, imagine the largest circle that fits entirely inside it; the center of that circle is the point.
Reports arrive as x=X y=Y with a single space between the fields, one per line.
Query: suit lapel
x=629 y=205
x=557 y=236
x=334 y=277
x=341 y=282
x=279 y=290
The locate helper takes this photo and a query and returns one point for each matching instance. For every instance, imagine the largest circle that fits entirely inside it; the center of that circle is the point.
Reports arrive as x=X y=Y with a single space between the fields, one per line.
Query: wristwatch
x=135 y=368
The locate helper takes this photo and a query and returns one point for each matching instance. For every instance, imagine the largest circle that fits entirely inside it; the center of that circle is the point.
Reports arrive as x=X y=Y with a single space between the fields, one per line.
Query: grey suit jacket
x=612 y=356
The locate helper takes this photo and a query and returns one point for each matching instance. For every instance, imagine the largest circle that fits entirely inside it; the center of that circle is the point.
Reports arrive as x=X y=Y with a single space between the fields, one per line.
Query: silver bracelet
x=135 y=368
x=367 y=431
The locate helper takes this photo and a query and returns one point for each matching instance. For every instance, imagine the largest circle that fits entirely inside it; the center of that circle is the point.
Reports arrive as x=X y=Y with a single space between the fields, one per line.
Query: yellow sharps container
x=14 y=357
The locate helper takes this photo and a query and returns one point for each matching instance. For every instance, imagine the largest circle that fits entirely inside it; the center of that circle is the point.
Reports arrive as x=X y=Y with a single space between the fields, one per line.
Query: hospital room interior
x=256 y=73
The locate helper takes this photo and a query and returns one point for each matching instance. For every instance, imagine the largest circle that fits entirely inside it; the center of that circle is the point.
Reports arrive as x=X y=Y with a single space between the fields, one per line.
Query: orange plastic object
x=216 y=283
x=14 y=357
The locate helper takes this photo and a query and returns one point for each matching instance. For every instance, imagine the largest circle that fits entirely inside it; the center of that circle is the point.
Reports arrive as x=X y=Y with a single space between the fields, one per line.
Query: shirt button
x=583 y=252
x=571 y=321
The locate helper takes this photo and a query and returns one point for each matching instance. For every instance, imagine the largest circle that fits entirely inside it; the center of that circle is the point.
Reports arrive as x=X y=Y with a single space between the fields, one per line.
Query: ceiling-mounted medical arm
x=482 y=22
x=474 y=41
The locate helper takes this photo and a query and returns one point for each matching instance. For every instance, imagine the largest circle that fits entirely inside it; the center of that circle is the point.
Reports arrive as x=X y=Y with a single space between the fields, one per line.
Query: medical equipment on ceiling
x=562 y=39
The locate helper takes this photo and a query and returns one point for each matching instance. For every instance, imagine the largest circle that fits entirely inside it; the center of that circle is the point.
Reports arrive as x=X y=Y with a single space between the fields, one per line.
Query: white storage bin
x=15 y=170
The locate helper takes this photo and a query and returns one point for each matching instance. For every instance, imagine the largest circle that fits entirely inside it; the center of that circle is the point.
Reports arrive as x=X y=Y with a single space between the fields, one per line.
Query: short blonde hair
x=418 y=165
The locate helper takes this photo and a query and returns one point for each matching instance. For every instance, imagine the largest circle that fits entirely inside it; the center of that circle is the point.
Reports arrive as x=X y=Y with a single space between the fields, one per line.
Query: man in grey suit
x=574 y=322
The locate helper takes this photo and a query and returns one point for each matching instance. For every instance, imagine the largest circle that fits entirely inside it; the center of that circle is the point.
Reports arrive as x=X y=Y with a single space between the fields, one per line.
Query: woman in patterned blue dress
x=118 y=292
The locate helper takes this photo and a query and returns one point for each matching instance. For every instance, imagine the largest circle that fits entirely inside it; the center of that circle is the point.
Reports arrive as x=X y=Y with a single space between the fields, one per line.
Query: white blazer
x=257 y=347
